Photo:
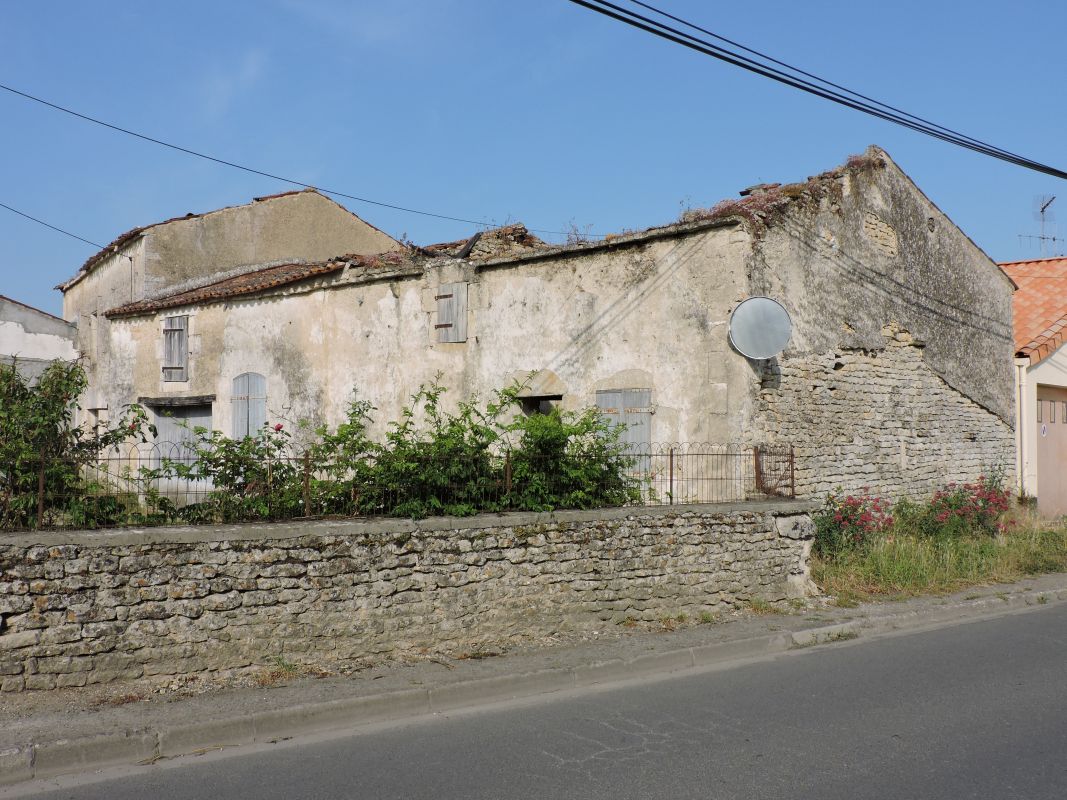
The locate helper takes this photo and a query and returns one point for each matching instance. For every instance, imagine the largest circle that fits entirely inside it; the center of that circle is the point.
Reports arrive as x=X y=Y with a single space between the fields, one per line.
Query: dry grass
x=905 y=566
x=284 y=671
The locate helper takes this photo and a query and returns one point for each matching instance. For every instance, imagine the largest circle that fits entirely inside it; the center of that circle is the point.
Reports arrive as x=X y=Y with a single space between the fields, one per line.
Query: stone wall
x=85 y=608
x=880 y=420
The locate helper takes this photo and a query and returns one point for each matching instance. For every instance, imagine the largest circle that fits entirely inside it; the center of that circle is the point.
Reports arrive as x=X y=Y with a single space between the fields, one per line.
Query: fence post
x=507 y=473
x=670 y=469
x=758 y=469
x=307 y=484
x=40 y=492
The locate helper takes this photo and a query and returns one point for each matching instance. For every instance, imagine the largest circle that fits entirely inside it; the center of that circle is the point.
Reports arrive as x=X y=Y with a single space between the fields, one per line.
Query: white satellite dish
x=760 y=327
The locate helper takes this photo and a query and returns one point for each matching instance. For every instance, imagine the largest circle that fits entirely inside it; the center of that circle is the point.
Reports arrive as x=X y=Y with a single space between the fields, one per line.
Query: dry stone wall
x=87 y=608
x=880 y=421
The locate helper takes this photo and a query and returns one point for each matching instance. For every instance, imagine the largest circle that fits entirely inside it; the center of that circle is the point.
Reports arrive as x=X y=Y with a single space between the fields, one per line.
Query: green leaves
x=44 y=456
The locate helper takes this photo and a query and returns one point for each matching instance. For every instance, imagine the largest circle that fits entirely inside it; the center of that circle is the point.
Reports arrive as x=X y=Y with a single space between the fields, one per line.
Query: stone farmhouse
x=170 y=256
x=32 y=339
x=1040 y=319
x=897 y=376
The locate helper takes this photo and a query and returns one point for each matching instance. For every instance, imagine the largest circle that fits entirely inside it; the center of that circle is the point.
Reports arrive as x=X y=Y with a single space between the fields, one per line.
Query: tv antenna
x=1043 y=213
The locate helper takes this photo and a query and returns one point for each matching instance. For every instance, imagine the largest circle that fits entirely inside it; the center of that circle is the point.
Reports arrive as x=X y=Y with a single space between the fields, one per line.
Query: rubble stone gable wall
x=880 y=421
x=94 y=608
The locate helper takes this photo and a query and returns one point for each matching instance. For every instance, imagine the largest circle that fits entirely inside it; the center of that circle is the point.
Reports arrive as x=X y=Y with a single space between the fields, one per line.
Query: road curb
x=36 y=760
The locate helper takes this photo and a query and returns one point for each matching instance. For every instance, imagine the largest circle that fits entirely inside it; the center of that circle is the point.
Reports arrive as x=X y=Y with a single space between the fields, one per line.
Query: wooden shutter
x=176 y=349
x=452 y=312
x=632 y=409
x=249 y=404
x=239 y=406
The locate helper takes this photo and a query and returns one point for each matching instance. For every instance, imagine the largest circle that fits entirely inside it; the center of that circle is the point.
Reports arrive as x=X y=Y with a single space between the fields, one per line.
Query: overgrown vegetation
x=44 y=456
x=965 y=534
x=432 y=461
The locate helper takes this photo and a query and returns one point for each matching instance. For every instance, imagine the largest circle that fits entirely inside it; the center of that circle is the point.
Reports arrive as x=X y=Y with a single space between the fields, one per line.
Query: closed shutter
x=451 y=312
x=632 y=409
x=176 y=349
x=175 y=430
x=249 y=401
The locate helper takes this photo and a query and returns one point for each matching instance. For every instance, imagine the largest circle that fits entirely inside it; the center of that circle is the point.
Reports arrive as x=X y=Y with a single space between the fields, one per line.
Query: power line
x=829 y=91
x=53 y=227
x=252 y=170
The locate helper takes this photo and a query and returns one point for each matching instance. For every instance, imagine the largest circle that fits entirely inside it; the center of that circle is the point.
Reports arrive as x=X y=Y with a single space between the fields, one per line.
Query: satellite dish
x=760 y=327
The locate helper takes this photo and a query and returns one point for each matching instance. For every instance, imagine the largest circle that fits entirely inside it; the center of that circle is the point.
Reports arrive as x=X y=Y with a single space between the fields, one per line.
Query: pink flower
x=278 y=427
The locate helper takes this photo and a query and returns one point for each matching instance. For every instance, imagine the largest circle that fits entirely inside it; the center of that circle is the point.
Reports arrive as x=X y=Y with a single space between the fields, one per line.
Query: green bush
x=477 y=458
x=44 y=456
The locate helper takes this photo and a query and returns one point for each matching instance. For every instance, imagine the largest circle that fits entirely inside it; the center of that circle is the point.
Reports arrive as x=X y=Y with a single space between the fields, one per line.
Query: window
x=1039 y=404
x=176 y=348
x=249 y=402
x=1051 y=410
x=451 y=312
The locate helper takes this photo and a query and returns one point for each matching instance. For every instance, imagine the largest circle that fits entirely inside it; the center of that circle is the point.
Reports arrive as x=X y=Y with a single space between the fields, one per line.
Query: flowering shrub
x=970 y=507
x=856 y=521
x=850 y=522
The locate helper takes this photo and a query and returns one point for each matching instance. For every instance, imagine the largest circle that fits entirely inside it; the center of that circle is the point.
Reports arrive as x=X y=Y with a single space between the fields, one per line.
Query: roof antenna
x=1042 y=213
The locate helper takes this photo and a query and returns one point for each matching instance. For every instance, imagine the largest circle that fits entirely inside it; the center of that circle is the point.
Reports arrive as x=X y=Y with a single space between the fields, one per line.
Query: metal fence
x=163 y=483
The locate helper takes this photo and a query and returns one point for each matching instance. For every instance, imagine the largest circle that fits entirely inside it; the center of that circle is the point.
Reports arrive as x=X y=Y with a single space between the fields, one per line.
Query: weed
x=628 y=622
x=1042 y=600
x=761 y=607
x=708 y=618
x=909 y=565
x=842 y=636
x=682 y=618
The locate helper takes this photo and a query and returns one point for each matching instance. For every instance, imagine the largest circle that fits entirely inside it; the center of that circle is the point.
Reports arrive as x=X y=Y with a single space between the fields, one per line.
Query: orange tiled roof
x=1039 y=305
x=248 y=283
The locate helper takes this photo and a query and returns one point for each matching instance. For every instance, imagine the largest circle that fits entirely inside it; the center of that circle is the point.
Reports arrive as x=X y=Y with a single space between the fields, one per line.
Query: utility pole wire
x=53 y=227
x=706 y=48
x=252 y=170
x=799 y=71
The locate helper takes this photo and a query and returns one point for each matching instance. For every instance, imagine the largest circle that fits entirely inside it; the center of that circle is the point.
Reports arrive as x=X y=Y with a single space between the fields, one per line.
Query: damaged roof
x=122 y=240
x=1039 y=306
x=248 y=283
x=258 y=280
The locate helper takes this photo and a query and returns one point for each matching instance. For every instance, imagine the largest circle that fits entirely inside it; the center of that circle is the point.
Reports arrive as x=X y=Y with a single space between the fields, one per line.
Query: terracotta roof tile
x=248 y=283
x=1039 y=306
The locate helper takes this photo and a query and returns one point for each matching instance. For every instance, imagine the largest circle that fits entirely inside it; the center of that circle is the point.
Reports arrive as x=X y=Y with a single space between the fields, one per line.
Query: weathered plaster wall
x=304 y=225
x=78 y=609
x=33 y=339
x=648 y=316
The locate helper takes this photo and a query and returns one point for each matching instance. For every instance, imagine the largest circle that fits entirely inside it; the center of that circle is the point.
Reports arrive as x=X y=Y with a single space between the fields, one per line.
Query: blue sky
x=501 y=110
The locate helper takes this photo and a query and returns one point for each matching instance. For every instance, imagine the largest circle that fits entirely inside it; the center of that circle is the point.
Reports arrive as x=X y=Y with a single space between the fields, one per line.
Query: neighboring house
x=32 y=339
x=897 y=377
x=1040 y=306
x=163 y=258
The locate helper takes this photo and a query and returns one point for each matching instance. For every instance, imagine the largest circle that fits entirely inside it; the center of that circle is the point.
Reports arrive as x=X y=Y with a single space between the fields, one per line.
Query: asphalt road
x=977 y=710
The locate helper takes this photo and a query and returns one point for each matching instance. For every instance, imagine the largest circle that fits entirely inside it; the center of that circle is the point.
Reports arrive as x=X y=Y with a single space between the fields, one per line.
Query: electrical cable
x=252 y=170
x=799 y=71
x=53 y=227
x=886 y=112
